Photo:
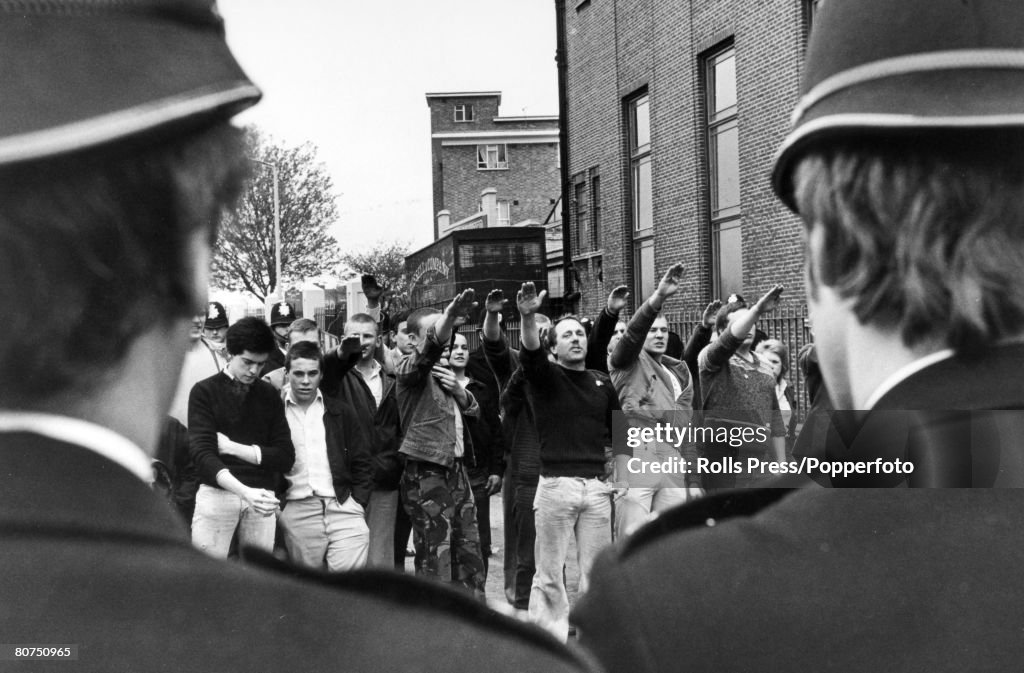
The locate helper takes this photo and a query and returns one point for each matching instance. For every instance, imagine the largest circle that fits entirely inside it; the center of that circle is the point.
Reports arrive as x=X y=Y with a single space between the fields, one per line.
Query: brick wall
x=442 y=113
x=531 y=179
x=616 y=48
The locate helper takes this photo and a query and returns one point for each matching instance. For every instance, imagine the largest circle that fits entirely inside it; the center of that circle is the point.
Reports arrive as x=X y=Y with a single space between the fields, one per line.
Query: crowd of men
x=905 y=163
x=317 y=457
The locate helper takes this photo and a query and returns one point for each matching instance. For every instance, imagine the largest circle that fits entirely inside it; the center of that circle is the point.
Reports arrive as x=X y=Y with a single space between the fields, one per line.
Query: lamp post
x=277 y=228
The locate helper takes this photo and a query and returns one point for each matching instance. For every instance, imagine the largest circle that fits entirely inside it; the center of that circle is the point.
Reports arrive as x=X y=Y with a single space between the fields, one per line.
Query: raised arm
x=493 y=305
x=604 y=328
x=720 y=350
x=766 y=304
x=459 y=308
x=338 y=362
x=529 y=303
x=701 y=335
x=628 y=349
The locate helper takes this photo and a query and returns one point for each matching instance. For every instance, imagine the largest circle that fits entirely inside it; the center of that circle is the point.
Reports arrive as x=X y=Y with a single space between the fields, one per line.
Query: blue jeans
x=218 y=513
x=563 y=507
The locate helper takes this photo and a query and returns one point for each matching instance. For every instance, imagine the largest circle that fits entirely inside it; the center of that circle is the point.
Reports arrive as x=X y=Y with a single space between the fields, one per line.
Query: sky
x=351 y=77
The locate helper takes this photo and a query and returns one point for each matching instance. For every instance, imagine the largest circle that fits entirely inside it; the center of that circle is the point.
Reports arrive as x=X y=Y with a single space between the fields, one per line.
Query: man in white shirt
x=324 y=519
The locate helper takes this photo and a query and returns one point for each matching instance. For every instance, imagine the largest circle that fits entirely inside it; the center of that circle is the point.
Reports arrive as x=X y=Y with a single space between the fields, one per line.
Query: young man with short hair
x=302 y=329
x=241 y=446
x=653 y=388
x=324 y=516
x=435 y=487
x=361 y=381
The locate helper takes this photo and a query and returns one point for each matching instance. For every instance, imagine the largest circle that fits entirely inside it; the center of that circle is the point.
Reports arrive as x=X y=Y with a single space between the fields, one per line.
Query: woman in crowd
x=738 y=392
x=776 y=354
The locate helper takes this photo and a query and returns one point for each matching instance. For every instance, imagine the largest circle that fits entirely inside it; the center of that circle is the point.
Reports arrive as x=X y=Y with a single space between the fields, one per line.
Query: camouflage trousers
x=440 y=504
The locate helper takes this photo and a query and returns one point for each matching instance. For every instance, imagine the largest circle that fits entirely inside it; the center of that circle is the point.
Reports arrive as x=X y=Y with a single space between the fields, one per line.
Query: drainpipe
x=563 y=147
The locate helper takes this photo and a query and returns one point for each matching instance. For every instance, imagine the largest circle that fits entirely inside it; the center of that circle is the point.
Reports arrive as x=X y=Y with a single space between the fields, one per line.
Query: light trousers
x=565 y=507
x=219 y=513
x=323 y=533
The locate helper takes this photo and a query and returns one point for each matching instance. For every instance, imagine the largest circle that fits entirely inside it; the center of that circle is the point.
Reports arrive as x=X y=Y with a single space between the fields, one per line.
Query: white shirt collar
x=96 y=438
x=374 y=370
x=905 y=372
x=289 y=396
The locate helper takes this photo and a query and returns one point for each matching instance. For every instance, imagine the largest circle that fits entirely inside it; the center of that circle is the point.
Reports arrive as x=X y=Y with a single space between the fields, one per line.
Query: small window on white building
x=464 y=113
x=491 y=157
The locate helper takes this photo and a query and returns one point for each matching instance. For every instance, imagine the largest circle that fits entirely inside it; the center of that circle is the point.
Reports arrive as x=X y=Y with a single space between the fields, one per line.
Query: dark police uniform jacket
x=92 y=557
x=896 y=579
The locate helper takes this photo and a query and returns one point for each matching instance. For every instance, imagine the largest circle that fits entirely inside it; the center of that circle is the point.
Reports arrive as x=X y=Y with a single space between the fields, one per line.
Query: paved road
x=496 y=574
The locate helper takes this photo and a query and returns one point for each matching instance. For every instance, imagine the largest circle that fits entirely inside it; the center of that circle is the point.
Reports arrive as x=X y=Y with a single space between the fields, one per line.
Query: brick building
x=674 y=111
x=490 y=170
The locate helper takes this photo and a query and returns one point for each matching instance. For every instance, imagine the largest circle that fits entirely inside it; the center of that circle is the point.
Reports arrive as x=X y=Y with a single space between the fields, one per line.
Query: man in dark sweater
x=241 y=445
x=573 y=407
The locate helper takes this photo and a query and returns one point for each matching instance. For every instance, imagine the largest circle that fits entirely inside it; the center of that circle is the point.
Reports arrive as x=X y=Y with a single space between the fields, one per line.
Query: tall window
x=464 y=113
x=724 y=172
x=491 y=157
x=639 y=110
x=504 y=214
x=595 y=212
x=577 y=236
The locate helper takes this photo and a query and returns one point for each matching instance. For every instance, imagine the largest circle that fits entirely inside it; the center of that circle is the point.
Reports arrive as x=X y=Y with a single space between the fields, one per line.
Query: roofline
x=511 y=133
x=528 y=118
x=465 y=94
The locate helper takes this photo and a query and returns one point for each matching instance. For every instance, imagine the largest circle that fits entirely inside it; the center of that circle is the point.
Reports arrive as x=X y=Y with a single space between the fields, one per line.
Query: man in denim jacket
x=435 y=487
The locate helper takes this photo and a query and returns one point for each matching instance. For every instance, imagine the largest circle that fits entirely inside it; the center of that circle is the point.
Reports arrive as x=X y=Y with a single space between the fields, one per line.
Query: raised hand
x=669 y=284
x=495 y=301
x=462 y=304
x=617 y=299
x=350 y=347
x=710 y=311
x=528 y=300
x=769 y=301
x=371 y=289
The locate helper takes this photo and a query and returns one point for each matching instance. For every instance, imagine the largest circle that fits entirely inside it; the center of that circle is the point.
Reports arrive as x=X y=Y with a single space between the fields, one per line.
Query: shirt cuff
x=259 y=454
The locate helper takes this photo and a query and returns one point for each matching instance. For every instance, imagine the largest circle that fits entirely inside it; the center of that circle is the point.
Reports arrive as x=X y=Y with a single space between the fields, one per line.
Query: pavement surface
x=495 y=588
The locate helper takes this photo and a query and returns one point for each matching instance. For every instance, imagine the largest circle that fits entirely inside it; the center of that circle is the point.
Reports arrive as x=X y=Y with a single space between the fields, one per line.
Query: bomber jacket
x=381 y=423
x=426 y=409
x=642 y=383
x=486 y=456
x=348 y=451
